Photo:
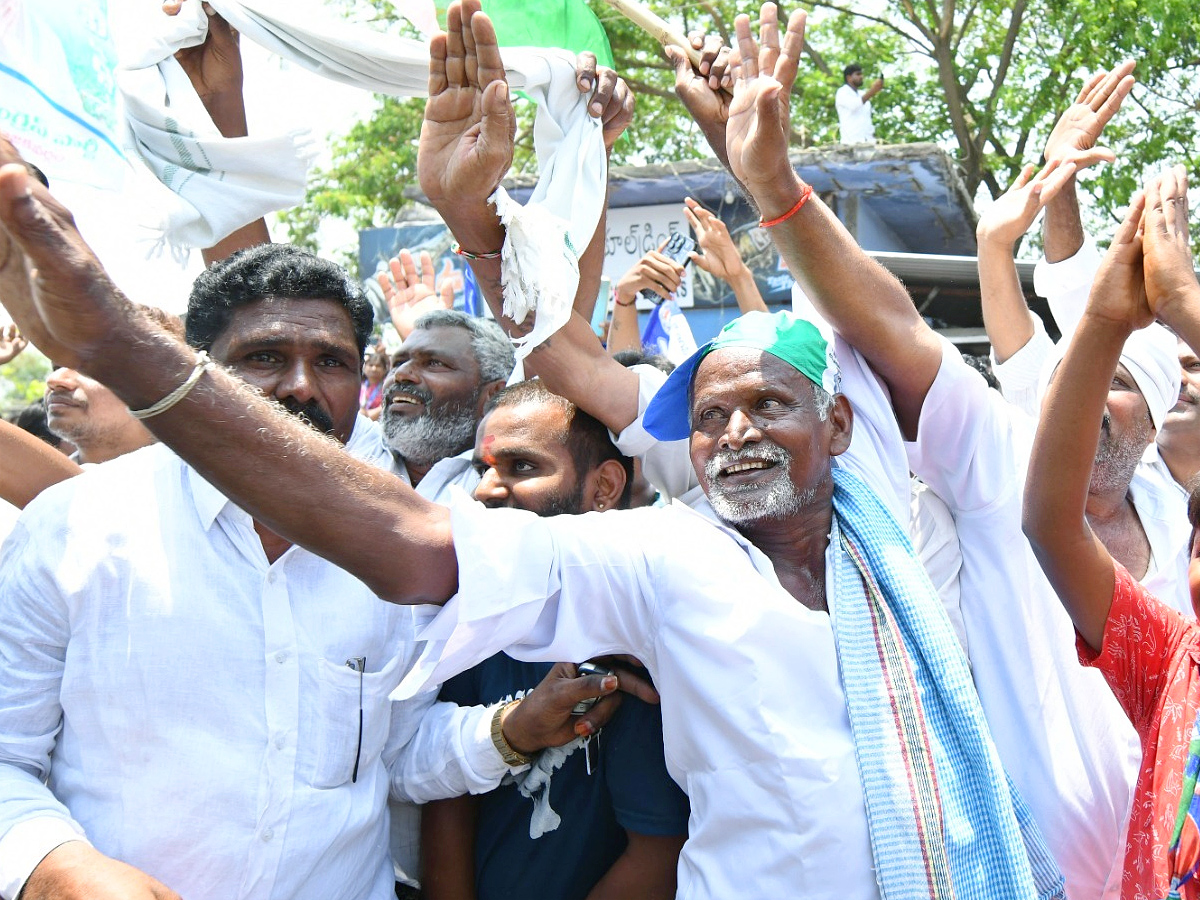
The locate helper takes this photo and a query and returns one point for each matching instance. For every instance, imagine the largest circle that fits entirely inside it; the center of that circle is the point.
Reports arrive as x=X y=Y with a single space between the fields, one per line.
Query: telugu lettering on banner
x=633 y=231
x=58 y=96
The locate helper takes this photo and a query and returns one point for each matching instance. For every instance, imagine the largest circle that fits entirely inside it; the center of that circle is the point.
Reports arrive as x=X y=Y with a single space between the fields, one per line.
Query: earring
x=600 y=505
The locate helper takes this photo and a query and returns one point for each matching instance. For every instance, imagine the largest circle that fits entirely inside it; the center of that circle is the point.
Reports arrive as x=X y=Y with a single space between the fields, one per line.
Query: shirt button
x=271 y=577
x=279 y=742
x=268 y=834
x=280 y=657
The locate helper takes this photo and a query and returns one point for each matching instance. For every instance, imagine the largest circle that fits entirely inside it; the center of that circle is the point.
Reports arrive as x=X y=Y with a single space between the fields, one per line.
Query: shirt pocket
x=337 y=731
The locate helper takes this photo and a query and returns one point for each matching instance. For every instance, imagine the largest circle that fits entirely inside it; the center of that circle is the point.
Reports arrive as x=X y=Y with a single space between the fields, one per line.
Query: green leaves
x=986 y=79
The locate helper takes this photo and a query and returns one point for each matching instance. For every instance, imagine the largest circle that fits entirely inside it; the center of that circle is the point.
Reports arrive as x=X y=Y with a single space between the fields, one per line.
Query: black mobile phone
x=678 y=249
x=582 y=670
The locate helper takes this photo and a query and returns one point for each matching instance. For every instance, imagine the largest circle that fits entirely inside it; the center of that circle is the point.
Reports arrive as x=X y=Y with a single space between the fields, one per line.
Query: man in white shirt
x=715 y=604
x=854 y=106
x=208 y=705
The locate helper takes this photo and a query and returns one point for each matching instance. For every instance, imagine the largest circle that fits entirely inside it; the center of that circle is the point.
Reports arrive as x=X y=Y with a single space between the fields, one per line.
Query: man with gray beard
x=775 y=497
x=433 y=400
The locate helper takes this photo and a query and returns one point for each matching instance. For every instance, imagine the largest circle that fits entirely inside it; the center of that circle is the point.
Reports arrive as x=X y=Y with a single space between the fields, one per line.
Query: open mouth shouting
x=747 y=468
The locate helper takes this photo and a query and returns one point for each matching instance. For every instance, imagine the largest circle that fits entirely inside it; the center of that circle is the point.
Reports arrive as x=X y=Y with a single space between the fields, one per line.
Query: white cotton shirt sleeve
x=666 y=464
x=449 y=752
x=1019 y=375
x=565 y=587
x=1066 y=285
x=33 y=641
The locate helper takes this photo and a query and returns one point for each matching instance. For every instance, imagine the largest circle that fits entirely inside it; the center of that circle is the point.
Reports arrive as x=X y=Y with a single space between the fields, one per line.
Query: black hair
x=983 y=365
x=32 y=418
x=1193 y=504
x=850 y=70
x=631 y=357
x=586 y=438
x=271 y=270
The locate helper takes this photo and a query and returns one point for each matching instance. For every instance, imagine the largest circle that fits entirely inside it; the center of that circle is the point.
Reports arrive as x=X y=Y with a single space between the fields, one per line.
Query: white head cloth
x=1152 y=360
x=223 y=183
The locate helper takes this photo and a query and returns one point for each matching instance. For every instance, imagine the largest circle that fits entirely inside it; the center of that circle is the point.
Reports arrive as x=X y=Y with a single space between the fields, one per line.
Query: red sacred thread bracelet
x=804 y=195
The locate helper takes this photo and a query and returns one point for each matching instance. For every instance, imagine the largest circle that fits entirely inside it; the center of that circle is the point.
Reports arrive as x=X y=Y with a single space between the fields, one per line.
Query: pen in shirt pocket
x=359 y=665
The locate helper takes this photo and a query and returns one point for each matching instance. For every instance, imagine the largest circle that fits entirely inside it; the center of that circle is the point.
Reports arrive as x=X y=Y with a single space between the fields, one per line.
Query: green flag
x=568 y=24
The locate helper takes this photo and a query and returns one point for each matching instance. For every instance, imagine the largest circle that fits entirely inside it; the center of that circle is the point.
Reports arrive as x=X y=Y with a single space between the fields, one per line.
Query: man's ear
x=604 y=485
x=486 y=393
x=841 y=424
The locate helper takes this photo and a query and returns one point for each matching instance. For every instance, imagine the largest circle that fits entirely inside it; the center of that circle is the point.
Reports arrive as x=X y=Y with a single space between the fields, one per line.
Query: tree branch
x=884 y=22
x=719 y=21
x=1010 y=41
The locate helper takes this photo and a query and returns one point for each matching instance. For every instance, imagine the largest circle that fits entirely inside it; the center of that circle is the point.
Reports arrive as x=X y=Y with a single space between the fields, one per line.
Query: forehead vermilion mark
x=488 y=457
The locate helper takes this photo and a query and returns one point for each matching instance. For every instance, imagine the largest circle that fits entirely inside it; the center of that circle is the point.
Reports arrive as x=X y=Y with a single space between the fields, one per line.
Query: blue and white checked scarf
x=944 y=820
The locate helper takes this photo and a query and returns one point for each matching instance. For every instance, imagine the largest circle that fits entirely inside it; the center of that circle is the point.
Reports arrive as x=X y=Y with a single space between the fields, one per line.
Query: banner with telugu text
x=58 y=97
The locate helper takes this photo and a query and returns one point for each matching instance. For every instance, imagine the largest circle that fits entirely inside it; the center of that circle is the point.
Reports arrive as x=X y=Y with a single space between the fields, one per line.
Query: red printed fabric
x=1150 y=660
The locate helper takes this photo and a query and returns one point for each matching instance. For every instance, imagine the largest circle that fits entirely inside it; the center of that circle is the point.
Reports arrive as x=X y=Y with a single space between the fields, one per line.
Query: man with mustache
x=1179 y=438
x=203 y=700
x=442 y=377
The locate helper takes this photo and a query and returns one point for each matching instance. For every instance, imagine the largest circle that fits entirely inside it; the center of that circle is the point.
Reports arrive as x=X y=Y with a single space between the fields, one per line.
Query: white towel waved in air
x=221 y=184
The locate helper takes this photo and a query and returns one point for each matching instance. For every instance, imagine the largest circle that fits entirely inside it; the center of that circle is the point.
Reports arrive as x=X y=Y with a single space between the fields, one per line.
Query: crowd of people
x=816 y=613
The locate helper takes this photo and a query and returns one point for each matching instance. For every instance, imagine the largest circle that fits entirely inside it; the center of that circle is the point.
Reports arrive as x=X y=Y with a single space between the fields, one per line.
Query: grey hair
x=823 y=400
x=492 y=350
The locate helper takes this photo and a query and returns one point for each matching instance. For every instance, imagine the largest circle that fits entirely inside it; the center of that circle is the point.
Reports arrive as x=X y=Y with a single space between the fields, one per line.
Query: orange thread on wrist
x=804 y=195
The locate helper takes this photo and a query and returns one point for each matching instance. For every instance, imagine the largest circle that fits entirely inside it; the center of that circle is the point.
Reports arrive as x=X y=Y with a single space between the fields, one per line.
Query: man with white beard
x=433 y=400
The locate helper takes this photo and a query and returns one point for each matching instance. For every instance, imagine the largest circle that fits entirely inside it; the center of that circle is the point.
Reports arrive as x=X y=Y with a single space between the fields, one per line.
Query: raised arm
x=1006 y=318
x=1073 y=558
x=860 y=298
x=573 y=362
x=29 y=465
x=1074 y=139
x=215 y=70
x=655 y=272
x=720 y=258
x=254 y=453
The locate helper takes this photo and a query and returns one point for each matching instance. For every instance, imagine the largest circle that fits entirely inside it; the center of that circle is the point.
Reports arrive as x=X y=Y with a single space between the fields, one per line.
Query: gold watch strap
x=510 y=756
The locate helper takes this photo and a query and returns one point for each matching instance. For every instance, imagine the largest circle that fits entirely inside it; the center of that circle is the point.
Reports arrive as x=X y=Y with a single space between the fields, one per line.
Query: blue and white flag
x=668 y=333
x=473 y=303
x=58 y=94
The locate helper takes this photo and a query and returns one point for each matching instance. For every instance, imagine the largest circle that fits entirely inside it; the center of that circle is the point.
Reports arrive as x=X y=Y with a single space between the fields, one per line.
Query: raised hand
x=11 y=343
x=1012 y=213
x=215 y=66
x=718 y=256
x=706 y=91
x=653 y=272
x=612 y=101
x=1078 y=129
x=1119 y=291
x=410 y=294
x=758 y=128
x=1170 y=276
x=466 y=143
x=51 y=283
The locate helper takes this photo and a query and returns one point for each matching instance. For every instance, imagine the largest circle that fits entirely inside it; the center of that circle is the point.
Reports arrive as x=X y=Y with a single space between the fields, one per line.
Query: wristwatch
x=510 y=756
